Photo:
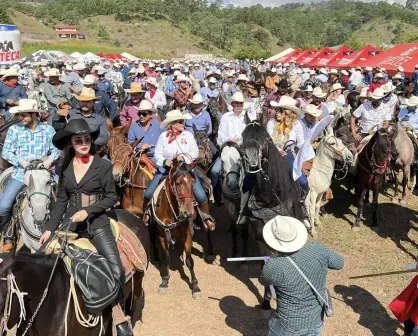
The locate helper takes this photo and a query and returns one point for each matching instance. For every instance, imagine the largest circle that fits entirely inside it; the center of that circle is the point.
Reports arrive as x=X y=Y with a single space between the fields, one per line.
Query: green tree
x=4 y=16
x=412 y=4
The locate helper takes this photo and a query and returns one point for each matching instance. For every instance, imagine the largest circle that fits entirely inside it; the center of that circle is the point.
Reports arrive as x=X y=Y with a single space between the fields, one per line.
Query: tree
x=4 y=16
x=412 y=4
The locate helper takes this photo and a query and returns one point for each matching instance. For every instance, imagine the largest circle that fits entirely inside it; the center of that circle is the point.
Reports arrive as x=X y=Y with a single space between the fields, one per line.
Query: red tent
x=300 y=60
x=312 y=58
x=329 y=56
x=355 y=59
x=405 y=54
x=285 y=58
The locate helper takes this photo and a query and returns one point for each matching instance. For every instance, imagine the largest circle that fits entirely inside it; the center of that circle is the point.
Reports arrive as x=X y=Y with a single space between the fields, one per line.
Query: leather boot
x=145 y=211
x=124 y=329
x=209 y=221
x=122 y=323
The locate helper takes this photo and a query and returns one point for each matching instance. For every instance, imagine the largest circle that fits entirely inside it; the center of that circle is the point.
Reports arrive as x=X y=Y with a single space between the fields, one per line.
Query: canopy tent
x=325 y=59
x=288 y=57
x=312 y=58
x=129 y=56
x=348 y=59
x=279 y=55
x=52 y=56
x=366 y=56
x=300 y=60
x=405 y=54
x=61 y=56
x=91 y=56
x=77 y=55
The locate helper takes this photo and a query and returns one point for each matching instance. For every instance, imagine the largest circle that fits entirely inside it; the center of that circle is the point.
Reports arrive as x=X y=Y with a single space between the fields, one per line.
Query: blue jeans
x=215 y=172
x=276 y=329
x=51 y=114
x=198 y=191
x=8 y=197
x=352 y=87
x=303 y=179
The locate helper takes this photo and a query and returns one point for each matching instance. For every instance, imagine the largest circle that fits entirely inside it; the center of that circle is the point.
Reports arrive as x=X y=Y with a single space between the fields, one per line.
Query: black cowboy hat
x=75 y=126
x=283 y=83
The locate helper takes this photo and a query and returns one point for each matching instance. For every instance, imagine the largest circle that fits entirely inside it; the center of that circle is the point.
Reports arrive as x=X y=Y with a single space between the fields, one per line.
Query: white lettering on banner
x=10 y=56
x=308 y=59
x=396 y=60
x=323 y=61
x=409 y=51
x=344 y=61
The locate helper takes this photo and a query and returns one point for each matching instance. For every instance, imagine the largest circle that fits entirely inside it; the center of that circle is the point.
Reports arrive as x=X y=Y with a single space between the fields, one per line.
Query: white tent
x=279 y=55
x=91 y=56
x=77 y=55
x=129 y=56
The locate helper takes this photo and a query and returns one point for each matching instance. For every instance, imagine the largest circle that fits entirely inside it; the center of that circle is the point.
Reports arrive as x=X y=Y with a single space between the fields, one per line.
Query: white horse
x=329 y=150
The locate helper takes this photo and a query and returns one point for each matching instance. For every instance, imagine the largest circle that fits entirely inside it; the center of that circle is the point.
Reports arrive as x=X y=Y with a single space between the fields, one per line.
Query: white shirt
x=372 y=119
x=391 y=103
x=249 y=108
x=159 y=100
x=225 y=87
x=356 y=78
x=231 y=127
x=302 y=130
x=412 y=115
x=185 y=143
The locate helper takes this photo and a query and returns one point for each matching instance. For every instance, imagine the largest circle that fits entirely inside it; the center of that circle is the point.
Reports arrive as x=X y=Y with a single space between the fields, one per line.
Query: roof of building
x=70 y=32
x=65 y=26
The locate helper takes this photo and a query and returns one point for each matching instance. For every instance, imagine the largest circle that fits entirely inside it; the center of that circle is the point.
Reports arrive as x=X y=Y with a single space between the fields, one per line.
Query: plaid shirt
x=181 y=97
x=23 y=142
x=299 y=308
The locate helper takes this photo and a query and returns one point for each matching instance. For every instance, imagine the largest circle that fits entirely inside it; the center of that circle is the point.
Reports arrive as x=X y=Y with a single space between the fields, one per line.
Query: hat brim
x=86 y=98
x=134 y=91
x=286 y=247
x=319 y=96
x=26 y=111
x=372 y=96
x=195 y=102
x=152 y=110
x=59 y=140
x=11 y=75
x=290 y=107
x=169 y=120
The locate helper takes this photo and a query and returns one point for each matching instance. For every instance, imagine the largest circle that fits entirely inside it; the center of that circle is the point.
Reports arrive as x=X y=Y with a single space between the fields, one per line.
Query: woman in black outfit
x=86 y=191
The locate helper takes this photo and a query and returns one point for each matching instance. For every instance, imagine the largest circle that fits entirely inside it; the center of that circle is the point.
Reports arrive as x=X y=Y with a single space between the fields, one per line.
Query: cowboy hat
x=86 y=94
x=377 y=94
x=382 y=69
x=397 y=76
x=285 y=234
x=286 y=103
x=26 y=106
x=146 y=105
x=412 y=101
x=308 y=89
x=101 y=72
x=364 y=93
x=197 y=99
x=312 y=72
x=283 y=83
x=132 y=71
x=273 y=70
x=344 y=72
x=158 y=69
x=74 y=127
x=152 y=81
x=335 y=87
x=237 y=97
x=135 y=88
x=388 y=88
x=400 y=68
x=242 y=77
x=378 y=75
x=173 y=116
x=11 y=73
x=323 y=71
x=88 y=80
x=230 y=74
x=54 y=72
x=313 y=110
x=140 y=70
x=333 y=72
x=79 y=66
x=212 y=80
x=181 y=78
x=317 y=92
x=368 y=68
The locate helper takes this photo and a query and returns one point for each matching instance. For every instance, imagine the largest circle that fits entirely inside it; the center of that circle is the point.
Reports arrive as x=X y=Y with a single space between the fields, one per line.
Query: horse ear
x=125 y=129
x=194 y=128
x=246 y=118
x=109 y=123
x=330 y=130
x=206 y=128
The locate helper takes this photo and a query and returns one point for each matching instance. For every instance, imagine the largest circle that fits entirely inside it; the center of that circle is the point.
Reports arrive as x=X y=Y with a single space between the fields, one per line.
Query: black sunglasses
x=144 y=114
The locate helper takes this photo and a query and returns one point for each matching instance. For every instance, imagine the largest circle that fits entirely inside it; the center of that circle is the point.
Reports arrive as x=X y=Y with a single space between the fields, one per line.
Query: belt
x=84 y=200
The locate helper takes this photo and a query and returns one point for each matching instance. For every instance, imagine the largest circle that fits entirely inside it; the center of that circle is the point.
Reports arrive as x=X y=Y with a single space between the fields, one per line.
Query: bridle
x=172 y=180
x=260 y=158
x=204 y=148
x=376 y=169
x=112 y=142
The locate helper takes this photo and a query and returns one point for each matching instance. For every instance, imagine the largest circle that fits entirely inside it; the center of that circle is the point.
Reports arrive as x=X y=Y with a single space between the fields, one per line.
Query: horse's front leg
x=375 y=204
x=265 y=305
x=360 y=205
x=196 y=293
x=234 y=234
x=406 y=174
x=164 y=265
x=395 y=198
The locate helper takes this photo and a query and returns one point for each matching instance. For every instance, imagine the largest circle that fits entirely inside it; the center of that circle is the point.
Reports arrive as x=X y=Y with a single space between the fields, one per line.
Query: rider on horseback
x=200 y=118
x=177 y=142
x=86 y=192
x=26 y=141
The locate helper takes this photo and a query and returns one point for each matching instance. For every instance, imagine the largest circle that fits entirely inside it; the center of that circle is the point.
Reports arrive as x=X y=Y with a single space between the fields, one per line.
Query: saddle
x=147 y=166
x=132 y=252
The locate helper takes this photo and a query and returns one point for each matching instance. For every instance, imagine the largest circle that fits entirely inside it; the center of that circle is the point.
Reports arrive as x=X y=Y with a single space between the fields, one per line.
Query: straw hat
x=135 y=88
x=181 y=78
x=12 y=72
x=86 y=94
x=242 y=77
x=197 y=99
x=132 y=71
x=286 y=103
x=54 y=72
x=285 y=234
x=173 y=116
x=364 y=93
x=312 y=72
x=212 y=80
x=383 y=70
x=317 y=92
x=344 y=72
x=74 y=127
x=335 y=87
x=79 y=66
x=368 y=68
x=231 y=74
x=152 y=81
x=397 y=76
x=378 y=75
x=26 y=106
x=313 y=110
x=140 y=70
x=146 y=105
x=388 y=88
x=308 y=89
x=323 y=71
x=412 y=101
x=88 y=80
x=237 y=97
x=377 y=94
x=333 y=72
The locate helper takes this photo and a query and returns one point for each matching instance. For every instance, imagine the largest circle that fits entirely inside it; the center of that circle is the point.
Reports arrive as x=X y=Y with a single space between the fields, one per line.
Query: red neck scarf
x=84 y=158
x=152 y=93
x=172 y=135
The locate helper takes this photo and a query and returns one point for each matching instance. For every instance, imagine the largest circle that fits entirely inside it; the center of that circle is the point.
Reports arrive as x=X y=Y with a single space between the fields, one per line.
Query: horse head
x=231 y=158
x=117 y=136
x=38 y=180
x=182 y=180
x=122 y=157
x=379 y=150
x=255 y=145
x=335 y=148
x=205 y=156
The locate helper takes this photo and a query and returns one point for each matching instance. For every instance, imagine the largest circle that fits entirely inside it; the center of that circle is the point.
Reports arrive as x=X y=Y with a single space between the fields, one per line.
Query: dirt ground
x=230 y=296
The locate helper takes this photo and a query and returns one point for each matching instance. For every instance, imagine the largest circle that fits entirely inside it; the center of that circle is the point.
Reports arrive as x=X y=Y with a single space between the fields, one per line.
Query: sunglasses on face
x=143 y=114
x=82 y=140
x=179 y=121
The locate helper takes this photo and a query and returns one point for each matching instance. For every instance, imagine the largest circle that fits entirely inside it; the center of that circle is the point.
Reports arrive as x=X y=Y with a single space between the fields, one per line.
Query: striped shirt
x=29 y=145
x=298 y=306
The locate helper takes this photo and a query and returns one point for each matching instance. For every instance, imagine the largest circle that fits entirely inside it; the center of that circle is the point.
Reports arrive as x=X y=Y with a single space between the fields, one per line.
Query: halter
x=112 y=139
x=208 y=157
x=260 y=158
x=171 y=180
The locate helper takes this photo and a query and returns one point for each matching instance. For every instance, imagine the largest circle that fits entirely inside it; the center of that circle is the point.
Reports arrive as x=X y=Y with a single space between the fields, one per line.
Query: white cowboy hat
x=152 y=81
x=132 y=71
x=79 y=66
x=323 y=71
x=286 y=103
x=68 y=67
x=88 y=80
x=383 y=69
x=397 y=76
x=237 y=97
x=151 y=65
x=197 y=99
x=230 y=74
x=54 y=72
x=312 y=72
x=242 y=77
x=11 y=73
x=313 y=110
x=333 y=72
x=140 y=69
x=173 y=116
x=308 y=89
x=400 y=68
x=416 y=66
x=285 y=234
x=176 y=66
x=317 y=92
x=176 y=73
x=146 y=105
x=158 y=69
x=364 y=93
x=335 y=87
x=212 y=80
x=412 y=101
x=344 y=72
x=377 y=94
x=368 y=68
x=273 y=70
x=286 y=64
x=388 y=87
x=378 y=75
x=26 y=106
x=181 y=78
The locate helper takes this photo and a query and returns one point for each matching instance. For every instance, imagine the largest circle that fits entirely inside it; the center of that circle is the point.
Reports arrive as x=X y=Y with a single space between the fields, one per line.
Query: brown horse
x=32 y=272
x=174 y=214
x=372 y=163
x=118 y=136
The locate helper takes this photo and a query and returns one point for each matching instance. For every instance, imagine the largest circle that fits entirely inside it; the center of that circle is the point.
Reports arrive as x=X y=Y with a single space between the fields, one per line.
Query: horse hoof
x=395 y=200
x=162 y=290
x=402 y=202
x=356 y=228
x=210 y=258
x=197 y=295
x=314 y=234
x=137 y=328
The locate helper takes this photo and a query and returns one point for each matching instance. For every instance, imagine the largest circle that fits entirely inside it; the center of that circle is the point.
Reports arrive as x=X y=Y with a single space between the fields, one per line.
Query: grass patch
x=28 y=25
